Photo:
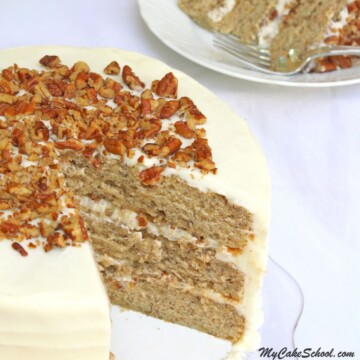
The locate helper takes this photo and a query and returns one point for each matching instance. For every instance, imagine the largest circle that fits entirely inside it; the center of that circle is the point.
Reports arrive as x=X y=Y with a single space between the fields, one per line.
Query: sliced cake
x=283 y=25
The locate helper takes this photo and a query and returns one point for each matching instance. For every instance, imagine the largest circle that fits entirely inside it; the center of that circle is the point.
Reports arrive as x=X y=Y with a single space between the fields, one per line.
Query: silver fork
x=288 y=63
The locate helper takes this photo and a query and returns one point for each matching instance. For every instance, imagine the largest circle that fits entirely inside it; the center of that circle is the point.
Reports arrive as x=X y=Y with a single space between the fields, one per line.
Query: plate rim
x=214 y=67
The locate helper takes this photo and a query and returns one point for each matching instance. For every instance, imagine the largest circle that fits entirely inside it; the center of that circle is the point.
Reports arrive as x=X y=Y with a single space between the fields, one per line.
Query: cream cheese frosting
x=52 y=305
x=242 y=178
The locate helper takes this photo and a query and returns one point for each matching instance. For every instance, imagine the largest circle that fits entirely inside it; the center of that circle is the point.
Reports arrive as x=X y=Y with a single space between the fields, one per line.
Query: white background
x=311 y=138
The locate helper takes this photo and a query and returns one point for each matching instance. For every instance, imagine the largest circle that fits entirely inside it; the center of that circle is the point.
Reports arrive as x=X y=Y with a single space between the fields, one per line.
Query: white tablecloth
x=311 y=138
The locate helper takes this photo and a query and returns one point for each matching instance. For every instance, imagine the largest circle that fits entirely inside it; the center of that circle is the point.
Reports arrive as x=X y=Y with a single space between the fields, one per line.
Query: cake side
x=52 y=305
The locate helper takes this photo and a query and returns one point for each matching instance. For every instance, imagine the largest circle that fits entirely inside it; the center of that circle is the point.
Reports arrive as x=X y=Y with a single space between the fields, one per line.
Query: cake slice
x=141 y=170
x=283 y=25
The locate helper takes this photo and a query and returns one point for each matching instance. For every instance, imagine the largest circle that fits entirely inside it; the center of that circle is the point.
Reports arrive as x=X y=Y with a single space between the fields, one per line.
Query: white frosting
x=218 y=13
x=336 y=25
x=52 y=305
x=270 y=29
x=242 y=177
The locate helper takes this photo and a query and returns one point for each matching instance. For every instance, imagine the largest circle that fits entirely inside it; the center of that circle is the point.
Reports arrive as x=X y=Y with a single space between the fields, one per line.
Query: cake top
x=44 y=112
x=52 y=109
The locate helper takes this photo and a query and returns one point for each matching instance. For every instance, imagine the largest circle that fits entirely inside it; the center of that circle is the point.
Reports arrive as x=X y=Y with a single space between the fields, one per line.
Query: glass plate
x=175 y=29
x=139 y=337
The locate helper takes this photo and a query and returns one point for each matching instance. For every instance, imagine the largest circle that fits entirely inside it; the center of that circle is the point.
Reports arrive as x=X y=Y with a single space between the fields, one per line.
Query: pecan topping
x=170 y=147
x=169 y=109
x=74 y=109
x=167 y=86
x=183 y=130
x=115 y=146
x=151 y=176
x=131 y=80
x=112 y=69
x=71 y=144
x=50 y=61
x=17 y=247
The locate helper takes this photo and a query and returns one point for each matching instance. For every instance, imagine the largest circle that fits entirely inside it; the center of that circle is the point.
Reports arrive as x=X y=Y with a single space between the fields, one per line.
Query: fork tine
x=248 y=53
x=246 y=57
x=239 y=56
x=243 y=51
x=236 y=42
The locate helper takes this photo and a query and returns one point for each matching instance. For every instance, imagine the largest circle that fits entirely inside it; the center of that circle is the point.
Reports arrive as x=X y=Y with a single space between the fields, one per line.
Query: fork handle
x=335 y=50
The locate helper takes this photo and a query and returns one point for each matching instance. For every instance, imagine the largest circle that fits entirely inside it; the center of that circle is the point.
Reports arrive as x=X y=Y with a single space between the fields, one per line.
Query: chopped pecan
x=9 y=227
x=107 y=93
x=6 y=98
x=55 y=87
x=50 y=61
x=170 y=147
x=151 y=149
x=80 y=66
x=81 y=80
x=149 y=128
x=190 y=111
x=142 y=221
x=131 y=80
x=112 y=69
x=182 y=156
x=169 y=109
x=183 y=130
x=166 y=87
x=70 y=144
x=115 y=146
x=151 y=176
x=205 y=164
x=202 y=149
x=19 y=248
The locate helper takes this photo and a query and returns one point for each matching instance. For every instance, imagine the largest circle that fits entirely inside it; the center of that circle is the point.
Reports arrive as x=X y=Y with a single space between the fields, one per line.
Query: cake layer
x=142 y=255
x=306 y=26
x=52 y=305
x=177 y=305
x=242 y=18
x=203 y=214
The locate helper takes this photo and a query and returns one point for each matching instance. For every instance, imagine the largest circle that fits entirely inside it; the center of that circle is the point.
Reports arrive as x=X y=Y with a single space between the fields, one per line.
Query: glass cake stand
x=139 y=337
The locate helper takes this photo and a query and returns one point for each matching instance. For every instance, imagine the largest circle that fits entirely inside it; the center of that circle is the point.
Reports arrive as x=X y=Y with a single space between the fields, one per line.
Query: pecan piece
x=169 y=109
x=190 y=111
x=151 y=149
x=182 y=129
x=151 y=176
x=50 y=61
x=142 y=221
x=170 y=147
x=166 y=87
x=19 y=248
x=7 y=99
x=131 y=80
x=112 y=69
x=80 y=66
x=81 y=80
x=149 y=128
x=71 y=144
x=9 y=228
x=182 y=156
x=114 y=146
x=205 y=164
x=41 y=130
x=202 y=149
